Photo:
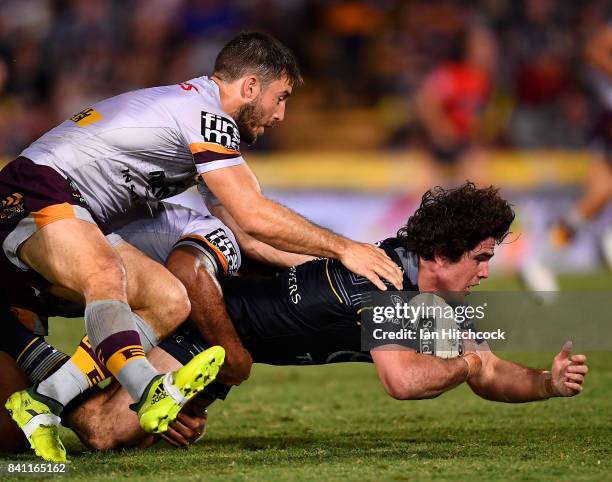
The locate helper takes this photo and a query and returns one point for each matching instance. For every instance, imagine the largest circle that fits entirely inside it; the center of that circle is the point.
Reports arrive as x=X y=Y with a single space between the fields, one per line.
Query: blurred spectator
x=451 y=102
x=540 y=52
x=58 y=56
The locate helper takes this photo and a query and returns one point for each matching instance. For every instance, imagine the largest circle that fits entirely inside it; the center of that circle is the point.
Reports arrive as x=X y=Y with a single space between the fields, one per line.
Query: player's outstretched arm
x=286 y=230
x=506 y=381
x=208 y=313
x=407 y=375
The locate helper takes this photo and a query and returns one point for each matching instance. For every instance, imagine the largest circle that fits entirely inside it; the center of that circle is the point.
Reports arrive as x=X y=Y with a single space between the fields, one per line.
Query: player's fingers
x=371 y=275
x=573 y=386
x=566 y=350
x=169 y=440
x=193 y=422
x=184 y=431
x=577 y=369
x=389 y=272
x=575 y=377
x=390 y=276
x=392 y=269
x=177 y=437
x=578 y=358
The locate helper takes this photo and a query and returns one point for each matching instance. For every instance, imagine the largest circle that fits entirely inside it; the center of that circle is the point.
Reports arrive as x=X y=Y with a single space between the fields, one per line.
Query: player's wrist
x=341 y=247
x=474 y=364
x=547 y=387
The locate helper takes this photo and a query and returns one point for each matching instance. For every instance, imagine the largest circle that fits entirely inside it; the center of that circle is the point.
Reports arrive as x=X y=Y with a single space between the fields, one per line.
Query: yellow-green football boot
x=32 y=412
x=166 y=394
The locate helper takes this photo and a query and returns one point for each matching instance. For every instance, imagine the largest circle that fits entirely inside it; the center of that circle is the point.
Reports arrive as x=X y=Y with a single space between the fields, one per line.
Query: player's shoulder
x=397 y=250
x=199 y=114
x=391 y=246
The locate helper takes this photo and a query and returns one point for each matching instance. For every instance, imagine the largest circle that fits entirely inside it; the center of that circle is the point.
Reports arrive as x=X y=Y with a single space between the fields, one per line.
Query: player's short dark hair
x=451 y=222
x=257 y=53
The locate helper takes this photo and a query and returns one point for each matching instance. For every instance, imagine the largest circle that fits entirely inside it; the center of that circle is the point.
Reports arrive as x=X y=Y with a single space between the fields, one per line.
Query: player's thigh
x=105 y=421
x=76 y=255
x=154 y=290
x=12 y=379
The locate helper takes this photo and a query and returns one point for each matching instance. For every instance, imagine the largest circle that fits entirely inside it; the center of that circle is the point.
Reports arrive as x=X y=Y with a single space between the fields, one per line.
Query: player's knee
x=92 y=426
x=109 y=276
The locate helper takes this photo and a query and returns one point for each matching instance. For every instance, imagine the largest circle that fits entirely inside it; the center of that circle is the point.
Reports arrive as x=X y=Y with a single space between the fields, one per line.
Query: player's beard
x=248 y=119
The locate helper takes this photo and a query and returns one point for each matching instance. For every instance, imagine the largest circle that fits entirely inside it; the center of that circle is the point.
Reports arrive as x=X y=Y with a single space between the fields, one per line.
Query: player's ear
x=251 y=88
x=440 y=260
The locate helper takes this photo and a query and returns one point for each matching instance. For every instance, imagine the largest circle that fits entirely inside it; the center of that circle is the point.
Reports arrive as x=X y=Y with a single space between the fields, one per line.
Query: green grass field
x=336 y=423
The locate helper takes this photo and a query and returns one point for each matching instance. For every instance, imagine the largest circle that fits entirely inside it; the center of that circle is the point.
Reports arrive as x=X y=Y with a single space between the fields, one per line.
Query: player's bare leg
x=104 y=421
x=74 y=254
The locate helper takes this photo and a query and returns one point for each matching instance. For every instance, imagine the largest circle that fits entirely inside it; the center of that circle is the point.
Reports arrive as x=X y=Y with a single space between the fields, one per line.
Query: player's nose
x=484 y=270
x=279 y=115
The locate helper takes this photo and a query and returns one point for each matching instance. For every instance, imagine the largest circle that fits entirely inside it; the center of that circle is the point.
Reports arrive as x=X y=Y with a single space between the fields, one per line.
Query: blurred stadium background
x=366 y=135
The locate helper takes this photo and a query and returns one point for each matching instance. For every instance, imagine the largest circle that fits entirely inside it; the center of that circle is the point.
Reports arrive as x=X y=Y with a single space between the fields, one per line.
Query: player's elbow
x=403 y=389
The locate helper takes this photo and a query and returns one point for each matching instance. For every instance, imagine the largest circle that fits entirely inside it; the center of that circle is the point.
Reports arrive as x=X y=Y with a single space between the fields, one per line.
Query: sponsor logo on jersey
x=188 y=86
x=11 y=206
x=219 y=239
x=220 y=130
x=86 y=117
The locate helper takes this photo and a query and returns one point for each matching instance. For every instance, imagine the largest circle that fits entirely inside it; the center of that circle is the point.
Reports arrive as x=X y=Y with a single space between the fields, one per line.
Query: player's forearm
x=280 y=227
x=422 y=376
x=255 y=249
x=208 y=314
x=264 y=253
x=512 y=383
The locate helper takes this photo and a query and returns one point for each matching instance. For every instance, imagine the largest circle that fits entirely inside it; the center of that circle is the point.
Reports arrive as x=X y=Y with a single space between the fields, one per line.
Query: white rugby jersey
x=174 y=225
x=144 y=145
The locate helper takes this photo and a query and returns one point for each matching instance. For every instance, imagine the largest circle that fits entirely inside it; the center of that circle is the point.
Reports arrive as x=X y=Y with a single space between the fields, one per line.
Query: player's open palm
x=568 y=372
x=372 y=263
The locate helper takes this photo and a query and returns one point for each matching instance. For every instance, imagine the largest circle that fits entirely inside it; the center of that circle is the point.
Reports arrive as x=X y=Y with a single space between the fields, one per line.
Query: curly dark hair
x=450 y=222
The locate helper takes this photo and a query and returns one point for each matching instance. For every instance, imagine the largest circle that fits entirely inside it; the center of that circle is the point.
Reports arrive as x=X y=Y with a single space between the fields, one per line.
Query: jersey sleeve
x=215 y=240
x=212 y=136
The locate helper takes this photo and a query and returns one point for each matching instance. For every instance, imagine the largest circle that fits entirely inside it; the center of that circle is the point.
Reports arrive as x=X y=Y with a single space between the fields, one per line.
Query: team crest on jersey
x=219 y=239
x=220 y=130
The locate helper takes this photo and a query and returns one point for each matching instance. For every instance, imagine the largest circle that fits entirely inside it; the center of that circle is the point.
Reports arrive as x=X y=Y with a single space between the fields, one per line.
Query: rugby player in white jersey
x=62 y=193
x=308 y=314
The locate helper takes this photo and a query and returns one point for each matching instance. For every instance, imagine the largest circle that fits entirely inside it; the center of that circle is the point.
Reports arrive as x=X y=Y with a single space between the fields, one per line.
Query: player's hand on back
x=568 y=372
x=372 y=263
x=237 y=366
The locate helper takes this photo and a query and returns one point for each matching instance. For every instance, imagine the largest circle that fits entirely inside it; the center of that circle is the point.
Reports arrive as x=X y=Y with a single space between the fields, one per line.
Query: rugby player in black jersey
x=309 y=314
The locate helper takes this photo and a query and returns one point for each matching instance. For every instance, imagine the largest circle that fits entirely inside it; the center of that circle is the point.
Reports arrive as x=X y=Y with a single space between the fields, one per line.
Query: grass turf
x=336 y=423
